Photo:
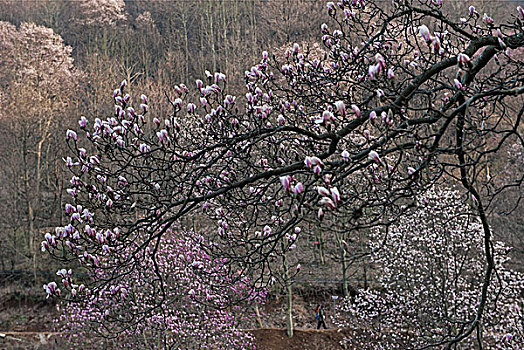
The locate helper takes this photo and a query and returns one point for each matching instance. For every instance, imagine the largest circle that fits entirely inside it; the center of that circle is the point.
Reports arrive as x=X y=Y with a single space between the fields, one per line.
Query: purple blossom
x=82 y=122
x=52 y=289
x=163 y=136
x=70 y=134
x=143 y=148
x=487 y=19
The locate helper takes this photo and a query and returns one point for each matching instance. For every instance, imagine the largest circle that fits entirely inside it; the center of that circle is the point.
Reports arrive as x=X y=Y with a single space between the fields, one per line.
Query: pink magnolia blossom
x=521 y=12
x=298 y=188
x=82 y=122
x=70 y=134
x=391 y=73
x=356 y=110
x=458 y=84
x=463 y=58
x=345 y=155
x=487 y=19
x=323 y=191
x=374 y=157
x=424 y=32
x=372 y=116
x=335 y=194
x=317 y=161
x=308 y=162
x=285 y=181
x=327 y=201
x=341 y=108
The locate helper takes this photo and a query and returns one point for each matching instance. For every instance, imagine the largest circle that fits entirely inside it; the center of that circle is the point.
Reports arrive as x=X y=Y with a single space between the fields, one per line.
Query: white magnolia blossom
x=101 y=12
x=430 y=270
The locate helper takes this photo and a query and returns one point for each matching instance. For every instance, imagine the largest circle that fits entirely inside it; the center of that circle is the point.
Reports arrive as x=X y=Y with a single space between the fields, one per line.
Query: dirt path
x=303 y=339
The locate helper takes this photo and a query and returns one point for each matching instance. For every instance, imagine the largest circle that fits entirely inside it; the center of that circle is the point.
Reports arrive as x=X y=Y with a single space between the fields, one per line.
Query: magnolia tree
x=196 y=290
x=429 y=271
x=35 y=70
x=101 y=12
x=402 y=99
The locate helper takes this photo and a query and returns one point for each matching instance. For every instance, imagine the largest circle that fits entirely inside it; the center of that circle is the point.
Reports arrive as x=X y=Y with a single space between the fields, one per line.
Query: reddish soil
x=303 y=339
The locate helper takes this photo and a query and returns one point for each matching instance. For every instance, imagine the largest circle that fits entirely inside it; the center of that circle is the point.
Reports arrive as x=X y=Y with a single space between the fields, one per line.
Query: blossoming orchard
x=390 y=132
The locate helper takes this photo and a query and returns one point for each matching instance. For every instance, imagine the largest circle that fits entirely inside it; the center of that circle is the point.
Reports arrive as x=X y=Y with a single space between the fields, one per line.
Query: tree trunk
x=259 y=319
x=344 y=269
x=29 y=195
x=365 y=276
x=33 y=194
x=211 y=35
x=224 y=40
x=186 y=46
x=321 y=247
x=289 y=291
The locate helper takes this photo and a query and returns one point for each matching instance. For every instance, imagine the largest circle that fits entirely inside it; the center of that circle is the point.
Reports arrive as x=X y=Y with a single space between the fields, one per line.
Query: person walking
x=320 y=316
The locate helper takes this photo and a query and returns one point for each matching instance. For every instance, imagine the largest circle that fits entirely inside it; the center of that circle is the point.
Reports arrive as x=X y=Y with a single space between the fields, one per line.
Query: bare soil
x=303 y=339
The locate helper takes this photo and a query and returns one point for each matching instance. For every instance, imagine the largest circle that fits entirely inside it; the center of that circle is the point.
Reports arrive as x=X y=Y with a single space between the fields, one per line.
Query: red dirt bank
x=310 y=339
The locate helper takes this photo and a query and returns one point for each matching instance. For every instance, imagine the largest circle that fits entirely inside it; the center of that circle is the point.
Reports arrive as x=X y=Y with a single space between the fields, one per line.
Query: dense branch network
x=397 y=102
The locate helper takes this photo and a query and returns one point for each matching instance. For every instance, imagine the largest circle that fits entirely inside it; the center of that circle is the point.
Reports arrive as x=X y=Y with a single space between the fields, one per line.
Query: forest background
x=69 y=55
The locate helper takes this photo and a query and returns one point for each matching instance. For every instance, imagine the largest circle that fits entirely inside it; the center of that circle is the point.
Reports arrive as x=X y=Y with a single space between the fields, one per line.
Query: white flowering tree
x=101 y=12
x=429 y=268
x=403 y=99
x=37 y=79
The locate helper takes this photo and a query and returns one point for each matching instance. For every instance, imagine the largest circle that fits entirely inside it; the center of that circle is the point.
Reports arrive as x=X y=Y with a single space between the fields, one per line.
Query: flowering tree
x=429 y=268
x=35 y=69
x=403 y=99
x=196 y=290
x=101 y=12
